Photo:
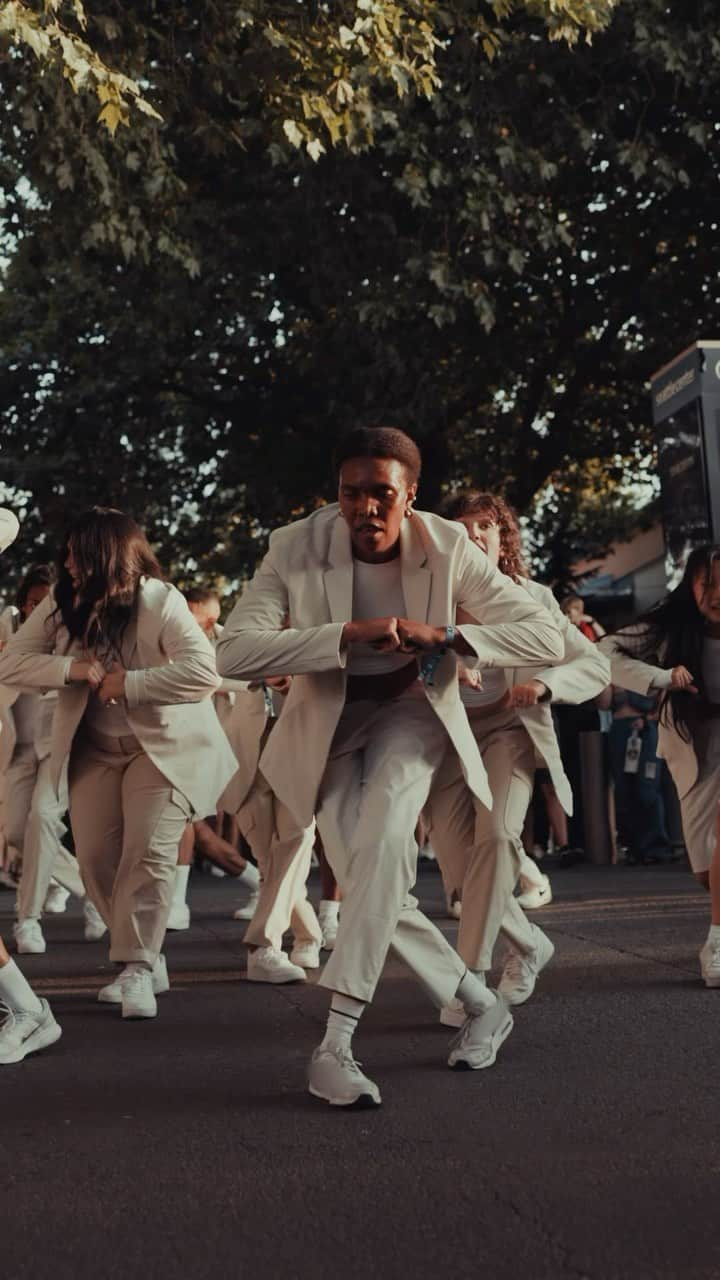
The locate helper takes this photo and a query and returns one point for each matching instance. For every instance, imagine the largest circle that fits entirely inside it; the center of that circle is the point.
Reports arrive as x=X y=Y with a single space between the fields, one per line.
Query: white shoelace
x=515 y=966
x=13 y=1018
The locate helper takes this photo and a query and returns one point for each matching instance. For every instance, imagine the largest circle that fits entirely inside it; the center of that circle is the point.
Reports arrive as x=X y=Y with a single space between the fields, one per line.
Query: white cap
x=9 y=527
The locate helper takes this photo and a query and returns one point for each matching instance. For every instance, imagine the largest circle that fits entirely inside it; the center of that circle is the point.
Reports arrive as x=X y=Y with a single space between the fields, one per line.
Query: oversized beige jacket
x=168 y=689
x=582 y=673
x=308 y=574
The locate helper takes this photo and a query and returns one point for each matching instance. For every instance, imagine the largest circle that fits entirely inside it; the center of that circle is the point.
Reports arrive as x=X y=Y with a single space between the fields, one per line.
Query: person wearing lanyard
x=370 y=586
x=135 y=677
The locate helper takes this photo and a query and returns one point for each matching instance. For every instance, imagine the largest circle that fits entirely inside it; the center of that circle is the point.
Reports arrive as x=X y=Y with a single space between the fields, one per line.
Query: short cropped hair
x=201 y=595
x=474 y=502
x=380 y=442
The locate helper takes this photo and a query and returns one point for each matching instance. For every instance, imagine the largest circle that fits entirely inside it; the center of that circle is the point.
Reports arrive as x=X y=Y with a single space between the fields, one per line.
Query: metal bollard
x=598 y=838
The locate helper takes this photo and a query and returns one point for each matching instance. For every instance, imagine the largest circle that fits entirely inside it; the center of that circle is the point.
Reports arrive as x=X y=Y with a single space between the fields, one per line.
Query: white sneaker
x=56 y=900
x=328 y=921
x=335 y=1076
x=138 y=996
x=454 y=905
x=521 y=971
x=113 y=992
x=268 y=965
x=535 y=895
x=248 y=911
x=453 y=1014
x=482 y=1035
x=22 y=1033
x=306 y=954
x=710 y=964
x=179 y=917
x=95 y=927
x=29 y=938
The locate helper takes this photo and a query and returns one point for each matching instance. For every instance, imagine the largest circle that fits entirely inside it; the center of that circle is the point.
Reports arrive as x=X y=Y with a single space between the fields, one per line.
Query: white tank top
x=377 y=593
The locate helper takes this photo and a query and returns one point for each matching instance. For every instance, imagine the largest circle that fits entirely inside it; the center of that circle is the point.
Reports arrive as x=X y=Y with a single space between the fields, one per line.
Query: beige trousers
x=127 y=821
x=283 y=851
x=33 y=816
x=378 y=776
x=478 y=848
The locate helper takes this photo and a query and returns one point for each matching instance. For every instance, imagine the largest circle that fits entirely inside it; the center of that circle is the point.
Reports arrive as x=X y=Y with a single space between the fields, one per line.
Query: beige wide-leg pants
x=478 y=848
x=33 y=816
x=378 y=776
x=127 y=821
x=283 y=851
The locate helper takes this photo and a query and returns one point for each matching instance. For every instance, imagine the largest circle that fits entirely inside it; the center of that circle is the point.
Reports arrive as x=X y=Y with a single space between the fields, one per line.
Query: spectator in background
x=574 y=608
x=638 y=777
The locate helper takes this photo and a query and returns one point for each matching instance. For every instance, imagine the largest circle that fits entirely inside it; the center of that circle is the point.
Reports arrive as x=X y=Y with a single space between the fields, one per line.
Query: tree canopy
x=193 y=311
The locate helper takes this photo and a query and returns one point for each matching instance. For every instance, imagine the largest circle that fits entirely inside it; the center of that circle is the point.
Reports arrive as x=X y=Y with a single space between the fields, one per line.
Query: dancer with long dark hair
x=675 y=649
x=135 y=675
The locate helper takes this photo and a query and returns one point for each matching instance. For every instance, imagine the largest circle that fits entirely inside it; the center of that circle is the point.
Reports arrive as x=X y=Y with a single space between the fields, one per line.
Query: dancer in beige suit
x=674 y=650
x=33 y=811
x=28 y=1023
x=135 y=677
x=283 y=849
x=368 y=585
x=480 y=849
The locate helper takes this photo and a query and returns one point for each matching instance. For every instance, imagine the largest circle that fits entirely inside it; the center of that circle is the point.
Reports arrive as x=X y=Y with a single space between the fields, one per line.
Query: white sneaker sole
x=40 y=1039
x=275 y=979
x=140 y=1011
x=363 y=1101
x=23 y=949
x=497 y=1039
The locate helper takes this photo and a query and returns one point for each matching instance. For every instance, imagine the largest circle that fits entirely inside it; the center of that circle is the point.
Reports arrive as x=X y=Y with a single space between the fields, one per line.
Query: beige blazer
x=169 y=686
x=308 y=574
x=583 y=673
x=642 y=677
x=245 y=729
x=9 y=528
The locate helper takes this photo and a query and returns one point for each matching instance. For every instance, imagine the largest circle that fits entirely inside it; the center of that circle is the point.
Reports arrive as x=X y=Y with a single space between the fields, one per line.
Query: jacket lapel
x=416 y=576
x=338 y=578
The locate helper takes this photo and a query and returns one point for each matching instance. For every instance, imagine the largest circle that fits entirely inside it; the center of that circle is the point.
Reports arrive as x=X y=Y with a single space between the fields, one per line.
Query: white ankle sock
x=249 y=876
x=180 y=886
x=342 y=1021
x=714 y=935
x=16 y=991
x=474 y=994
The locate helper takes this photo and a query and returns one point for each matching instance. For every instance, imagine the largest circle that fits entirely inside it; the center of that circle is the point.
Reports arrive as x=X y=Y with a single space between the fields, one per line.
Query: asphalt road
x=188 y=1147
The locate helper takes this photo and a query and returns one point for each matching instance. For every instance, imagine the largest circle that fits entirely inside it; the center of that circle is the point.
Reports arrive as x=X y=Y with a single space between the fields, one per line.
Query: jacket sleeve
x=190 y=673
x=28 y=660
x=631 y=673
x=510 y=628
x=254 y=643
x=584 y=671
